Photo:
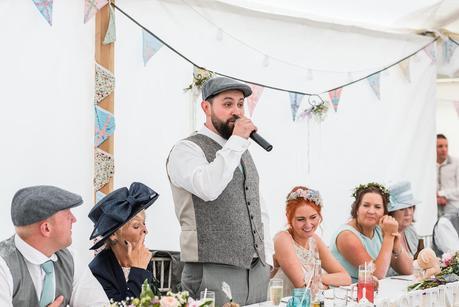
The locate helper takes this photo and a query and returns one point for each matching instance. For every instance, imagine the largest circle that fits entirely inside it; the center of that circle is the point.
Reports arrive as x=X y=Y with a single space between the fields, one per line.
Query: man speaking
x=215 y=187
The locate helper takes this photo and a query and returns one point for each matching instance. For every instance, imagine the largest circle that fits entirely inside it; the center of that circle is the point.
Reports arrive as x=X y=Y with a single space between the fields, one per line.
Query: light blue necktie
x=47 y=293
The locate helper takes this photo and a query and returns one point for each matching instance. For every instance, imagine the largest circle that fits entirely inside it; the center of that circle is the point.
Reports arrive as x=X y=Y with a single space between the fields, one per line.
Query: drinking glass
x=208 y=295
x=366 y=282
x=276 y=290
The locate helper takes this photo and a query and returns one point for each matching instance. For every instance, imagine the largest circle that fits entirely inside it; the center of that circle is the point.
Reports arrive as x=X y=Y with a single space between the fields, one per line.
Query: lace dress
x=307 y=259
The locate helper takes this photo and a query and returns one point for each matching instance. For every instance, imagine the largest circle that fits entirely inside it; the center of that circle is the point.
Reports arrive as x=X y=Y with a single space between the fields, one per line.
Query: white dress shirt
x=448 y=180
x=208 y=180
x=87 y=292
x=446 y=237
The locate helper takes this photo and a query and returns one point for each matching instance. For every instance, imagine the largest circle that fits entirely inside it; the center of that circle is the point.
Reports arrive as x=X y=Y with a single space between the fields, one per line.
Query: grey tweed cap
x=219 y=85
x=36 y=203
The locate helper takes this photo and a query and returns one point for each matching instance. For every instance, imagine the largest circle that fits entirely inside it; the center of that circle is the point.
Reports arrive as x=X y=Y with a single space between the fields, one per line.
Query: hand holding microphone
x=245 y=128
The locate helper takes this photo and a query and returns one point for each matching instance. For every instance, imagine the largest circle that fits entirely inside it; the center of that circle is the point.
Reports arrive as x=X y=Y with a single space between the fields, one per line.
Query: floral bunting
x=91 y=7
x=104 y=168
x=110 y=35
x=448 y=50
x=105 y=125
x=105 y=83
x=252 y=100
x=405 y=69
x=151 y=45
x=295 y=102
x=46 y=9
x=374 y=81
x=335 y=96
x=430 y=51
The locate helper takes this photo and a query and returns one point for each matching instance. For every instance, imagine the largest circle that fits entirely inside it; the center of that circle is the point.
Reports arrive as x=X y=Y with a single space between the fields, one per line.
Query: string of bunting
x=334 y=94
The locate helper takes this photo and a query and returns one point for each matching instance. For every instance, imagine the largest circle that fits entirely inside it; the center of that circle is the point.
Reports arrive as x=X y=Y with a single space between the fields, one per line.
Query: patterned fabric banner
x=105 y=83
x=252 y=100
x=151 y=45
x=335 y=96
x=91 y=7
x=110 y=35
x=405 y=69
x=46 y=9
x=295 y=102
x=105 y=125
x=430 y=51
x=448 y=50
x=104 y=168
x=374 y=84
x=99 y=194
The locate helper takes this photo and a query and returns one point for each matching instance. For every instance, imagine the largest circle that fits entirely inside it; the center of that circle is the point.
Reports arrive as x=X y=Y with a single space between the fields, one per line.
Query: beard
x=224 y=128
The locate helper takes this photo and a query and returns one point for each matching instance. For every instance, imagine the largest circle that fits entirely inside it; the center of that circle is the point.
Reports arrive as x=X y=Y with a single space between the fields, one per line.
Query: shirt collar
x=447 y=160
x=30 y=253
x=214 y=136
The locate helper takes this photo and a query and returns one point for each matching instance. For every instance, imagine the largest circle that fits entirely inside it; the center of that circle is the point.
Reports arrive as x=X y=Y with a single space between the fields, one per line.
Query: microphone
x=259 y=139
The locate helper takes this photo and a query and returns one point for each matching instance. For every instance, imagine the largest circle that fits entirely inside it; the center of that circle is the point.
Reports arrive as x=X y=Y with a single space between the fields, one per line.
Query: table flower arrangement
x=148 y=299
x=449 y=273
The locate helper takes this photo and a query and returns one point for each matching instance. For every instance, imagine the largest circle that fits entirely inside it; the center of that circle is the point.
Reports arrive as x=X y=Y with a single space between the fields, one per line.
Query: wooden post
x=105 y=56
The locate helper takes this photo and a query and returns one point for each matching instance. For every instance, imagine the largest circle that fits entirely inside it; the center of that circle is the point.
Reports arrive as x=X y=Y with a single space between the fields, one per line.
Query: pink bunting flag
x=456 y=106
x=105 y=125
x=374 y=84
x=430 y=51
x=91 y=7
x=46 y=9
x=335 y=96
x=405 y=69
x=252 y=100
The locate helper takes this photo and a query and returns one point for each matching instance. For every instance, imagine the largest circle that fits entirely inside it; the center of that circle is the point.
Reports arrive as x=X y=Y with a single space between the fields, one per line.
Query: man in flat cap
x=36 y=268
x=215 y=188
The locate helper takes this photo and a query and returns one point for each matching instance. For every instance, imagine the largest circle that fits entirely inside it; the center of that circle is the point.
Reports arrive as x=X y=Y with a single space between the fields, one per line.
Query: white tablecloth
x=392 y=293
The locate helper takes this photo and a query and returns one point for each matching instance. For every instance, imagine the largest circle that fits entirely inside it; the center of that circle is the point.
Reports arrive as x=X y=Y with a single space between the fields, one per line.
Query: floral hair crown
x=384 y=191
x=311 y=195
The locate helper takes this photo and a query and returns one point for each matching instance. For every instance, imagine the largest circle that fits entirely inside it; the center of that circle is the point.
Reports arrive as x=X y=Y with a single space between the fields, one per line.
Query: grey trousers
x=248 y=286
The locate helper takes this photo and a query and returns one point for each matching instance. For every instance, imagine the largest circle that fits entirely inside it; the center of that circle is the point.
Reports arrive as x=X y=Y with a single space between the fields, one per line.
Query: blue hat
x=401 y=196
x=117 y=208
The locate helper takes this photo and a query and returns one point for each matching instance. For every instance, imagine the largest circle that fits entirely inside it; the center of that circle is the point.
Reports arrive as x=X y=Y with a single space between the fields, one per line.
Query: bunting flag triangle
x=295 y=102
x=105 y=83
x=151 y=45
x=448 y=50
x=405 y=69
x=456 y=106
x=252 y=100
x=46 y=9
x=430 y=51
x=110 y=35
x=335 y=96
x=104 y=168
x=105 y=125
x=91 y=7
x=374 y=84
x=99 y=194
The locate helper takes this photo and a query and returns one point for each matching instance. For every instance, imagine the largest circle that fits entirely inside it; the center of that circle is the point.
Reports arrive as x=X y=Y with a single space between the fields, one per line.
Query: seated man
x=36 y=268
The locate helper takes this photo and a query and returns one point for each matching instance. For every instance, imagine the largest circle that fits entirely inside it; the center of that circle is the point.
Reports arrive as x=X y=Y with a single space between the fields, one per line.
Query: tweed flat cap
x=219 y=85
x=34 y=204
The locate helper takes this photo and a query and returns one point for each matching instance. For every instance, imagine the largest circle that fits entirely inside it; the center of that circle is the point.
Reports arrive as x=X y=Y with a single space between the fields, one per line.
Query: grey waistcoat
x=24 y=294
x=229 y=228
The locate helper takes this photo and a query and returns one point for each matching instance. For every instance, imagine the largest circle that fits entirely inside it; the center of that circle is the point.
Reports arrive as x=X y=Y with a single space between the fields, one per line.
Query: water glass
x=208 y=296
x=276 y=290
x=301 y=297
x=366 y=282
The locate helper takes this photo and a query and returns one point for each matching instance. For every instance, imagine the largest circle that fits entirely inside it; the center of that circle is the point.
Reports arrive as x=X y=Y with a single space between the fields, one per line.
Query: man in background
x=447 y=182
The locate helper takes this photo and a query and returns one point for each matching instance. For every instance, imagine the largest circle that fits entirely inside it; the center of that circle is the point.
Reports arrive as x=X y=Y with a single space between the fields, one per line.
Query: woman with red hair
x=299 y=246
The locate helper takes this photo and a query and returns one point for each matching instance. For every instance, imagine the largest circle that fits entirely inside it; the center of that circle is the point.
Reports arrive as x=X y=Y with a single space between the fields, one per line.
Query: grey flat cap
x=34 y=204
x=218 y=85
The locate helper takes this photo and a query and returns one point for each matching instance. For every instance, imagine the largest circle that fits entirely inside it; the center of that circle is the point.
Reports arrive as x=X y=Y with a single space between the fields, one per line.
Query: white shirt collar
x=31 y=254
x=444 y=162
x=214 y=136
